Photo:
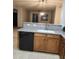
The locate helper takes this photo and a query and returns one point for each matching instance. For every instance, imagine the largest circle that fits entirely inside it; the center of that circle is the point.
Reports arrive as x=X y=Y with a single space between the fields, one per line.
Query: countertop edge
x=59 y=33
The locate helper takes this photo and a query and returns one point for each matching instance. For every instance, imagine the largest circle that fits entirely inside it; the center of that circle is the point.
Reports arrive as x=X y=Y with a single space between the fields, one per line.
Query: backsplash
x=34 y=25
x=46 y=26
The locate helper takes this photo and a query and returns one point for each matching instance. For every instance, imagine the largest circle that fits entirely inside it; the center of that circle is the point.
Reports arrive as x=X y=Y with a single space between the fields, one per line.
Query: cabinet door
x=39 y=43
x=52 y=45
x=62 y=48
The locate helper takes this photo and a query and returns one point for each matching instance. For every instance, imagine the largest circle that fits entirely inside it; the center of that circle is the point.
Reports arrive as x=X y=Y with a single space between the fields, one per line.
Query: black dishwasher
x=26 y=40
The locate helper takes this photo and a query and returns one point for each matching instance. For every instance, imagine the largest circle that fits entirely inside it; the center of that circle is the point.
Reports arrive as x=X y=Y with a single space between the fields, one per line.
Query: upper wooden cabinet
x=46 y=43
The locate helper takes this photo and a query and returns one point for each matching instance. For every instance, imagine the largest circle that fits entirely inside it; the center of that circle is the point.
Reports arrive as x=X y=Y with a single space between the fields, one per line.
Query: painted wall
x=57 y=19
x=63 y=15
x=60 y=15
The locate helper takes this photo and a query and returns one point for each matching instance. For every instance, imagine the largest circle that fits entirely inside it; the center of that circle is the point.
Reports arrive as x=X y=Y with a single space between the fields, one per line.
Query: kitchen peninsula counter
x=42 y=37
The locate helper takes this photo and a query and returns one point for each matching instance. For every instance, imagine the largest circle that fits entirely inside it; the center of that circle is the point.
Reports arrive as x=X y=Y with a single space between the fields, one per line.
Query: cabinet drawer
x=39 y=34
x=53 y=36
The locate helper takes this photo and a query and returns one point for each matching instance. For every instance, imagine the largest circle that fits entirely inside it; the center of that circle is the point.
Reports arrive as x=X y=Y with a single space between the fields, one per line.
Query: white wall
x=21 y=16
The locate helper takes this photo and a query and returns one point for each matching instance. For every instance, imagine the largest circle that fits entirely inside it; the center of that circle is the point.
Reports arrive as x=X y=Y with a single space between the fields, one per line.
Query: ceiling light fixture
x=43 y=0
x=42 y=13
x=43 y=6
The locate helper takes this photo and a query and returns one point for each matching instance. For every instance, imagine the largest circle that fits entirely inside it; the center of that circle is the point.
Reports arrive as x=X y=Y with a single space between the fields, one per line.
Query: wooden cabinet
x=42 y=42
x=46 y=43
x=52 y=45
x=39 y=42
x=62 y=48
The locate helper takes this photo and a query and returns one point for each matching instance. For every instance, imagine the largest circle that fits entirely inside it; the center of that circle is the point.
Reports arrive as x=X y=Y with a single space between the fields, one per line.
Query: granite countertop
x=43 y=30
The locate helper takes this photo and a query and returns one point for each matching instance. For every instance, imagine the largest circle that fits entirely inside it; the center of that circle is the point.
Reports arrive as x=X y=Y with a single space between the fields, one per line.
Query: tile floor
x=18 y=54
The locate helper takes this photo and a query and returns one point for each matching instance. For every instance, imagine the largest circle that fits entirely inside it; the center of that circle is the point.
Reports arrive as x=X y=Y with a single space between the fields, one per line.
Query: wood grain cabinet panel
x=39 y=43
x=54 y=36
x=52 y=45
x=46 y=43
x=62 y=48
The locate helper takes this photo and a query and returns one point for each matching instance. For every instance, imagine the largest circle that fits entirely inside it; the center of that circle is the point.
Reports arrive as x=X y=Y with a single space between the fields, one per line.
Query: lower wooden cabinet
x=39 y=43
x=42 y=42
x=46 y=43
x=52 y=45
x=62 y=48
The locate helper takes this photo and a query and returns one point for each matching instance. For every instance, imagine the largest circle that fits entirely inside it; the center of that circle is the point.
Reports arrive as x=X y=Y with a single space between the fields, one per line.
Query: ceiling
x=38 y=4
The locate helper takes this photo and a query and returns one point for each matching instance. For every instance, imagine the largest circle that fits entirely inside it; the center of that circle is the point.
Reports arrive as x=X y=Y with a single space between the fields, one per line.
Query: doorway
x=34 y=17
x=14 y=18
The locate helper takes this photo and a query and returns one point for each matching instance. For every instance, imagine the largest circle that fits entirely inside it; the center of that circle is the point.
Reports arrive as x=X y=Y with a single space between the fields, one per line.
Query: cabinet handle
x=45 y=39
